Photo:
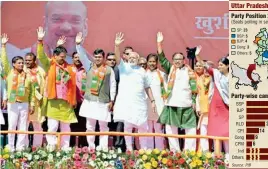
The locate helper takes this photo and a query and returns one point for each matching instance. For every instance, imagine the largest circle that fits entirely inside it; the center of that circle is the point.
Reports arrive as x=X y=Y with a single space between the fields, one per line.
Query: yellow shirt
x=29 y=88
x=39 y=92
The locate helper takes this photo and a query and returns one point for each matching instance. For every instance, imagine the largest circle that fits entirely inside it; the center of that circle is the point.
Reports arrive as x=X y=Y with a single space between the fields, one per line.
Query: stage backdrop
x=182 y=23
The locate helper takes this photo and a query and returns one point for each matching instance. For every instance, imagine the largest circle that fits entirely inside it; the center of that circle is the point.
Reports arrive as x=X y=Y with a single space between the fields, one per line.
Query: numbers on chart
x=262 y=130
x=253 y=143
x=256 y=136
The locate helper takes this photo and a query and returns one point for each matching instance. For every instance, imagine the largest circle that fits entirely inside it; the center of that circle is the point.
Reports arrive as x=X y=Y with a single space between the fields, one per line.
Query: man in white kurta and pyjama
x=131 y=102
x=99 y=94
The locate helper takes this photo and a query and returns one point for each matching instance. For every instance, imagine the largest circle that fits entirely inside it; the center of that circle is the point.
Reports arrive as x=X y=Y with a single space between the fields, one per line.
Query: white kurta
x=97 y=110
x=131 y=105
x=155 y=85
x=181 y=94
x=92 y=109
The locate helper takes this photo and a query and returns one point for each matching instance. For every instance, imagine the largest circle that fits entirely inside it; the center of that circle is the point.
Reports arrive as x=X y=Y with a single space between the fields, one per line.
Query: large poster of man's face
x=184 y=24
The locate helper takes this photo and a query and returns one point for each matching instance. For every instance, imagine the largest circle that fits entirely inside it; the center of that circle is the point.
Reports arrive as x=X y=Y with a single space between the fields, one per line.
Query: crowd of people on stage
x=115 y=93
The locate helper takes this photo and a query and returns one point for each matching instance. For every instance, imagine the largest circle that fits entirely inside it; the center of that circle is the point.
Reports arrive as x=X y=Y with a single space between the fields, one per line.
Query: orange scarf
x=170 y=82
x=98 y=75
x=18 y=88
x=163 y=91
x=71 y=83
x=33 y=72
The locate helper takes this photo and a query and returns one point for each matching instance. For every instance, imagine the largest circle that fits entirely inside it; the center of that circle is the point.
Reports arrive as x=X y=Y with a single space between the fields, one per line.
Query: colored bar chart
x=248 y=94
x=256 y=126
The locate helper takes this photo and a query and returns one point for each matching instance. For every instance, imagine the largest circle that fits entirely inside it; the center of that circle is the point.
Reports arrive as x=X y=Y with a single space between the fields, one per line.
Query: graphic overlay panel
x=248 y=84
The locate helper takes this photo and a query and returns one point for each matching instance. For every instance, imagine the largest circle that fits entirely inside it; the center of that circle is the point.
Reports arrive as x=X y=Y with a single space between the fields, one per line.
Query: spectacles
x=111 y=59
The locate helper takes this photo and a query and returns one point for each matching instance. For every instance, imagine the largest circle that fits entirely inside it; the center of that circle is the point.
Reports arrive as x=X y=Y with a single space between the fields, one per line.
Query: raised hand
x=198 y=50
x=4 y=39
x=61 y=41
x=160 y=37
x=40 y=33
x=119 y=38
x=79 y=38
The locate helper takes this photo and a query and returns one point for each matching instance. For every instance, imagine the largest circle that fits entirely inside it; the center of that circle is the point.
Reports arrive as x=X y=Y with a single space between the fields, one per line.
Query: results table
x=248 y=84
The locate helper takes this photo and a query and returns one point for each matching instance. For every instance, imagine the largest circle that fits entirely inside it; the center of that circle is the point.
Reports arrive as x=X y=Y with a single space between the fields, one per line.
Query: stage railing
x=59 y=134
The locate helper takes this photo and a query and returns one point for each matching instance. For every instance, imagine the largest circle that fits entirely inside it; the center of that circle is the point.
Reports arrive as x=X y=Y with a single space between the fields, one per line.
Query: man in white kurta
x=131 y=105
x=179 y=101
x=97 y=103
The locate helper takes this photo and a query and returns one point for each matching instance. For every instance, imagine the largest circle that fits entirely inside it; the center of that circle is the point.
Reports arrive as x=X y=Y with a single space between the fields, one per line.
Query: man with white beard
x=131 y=105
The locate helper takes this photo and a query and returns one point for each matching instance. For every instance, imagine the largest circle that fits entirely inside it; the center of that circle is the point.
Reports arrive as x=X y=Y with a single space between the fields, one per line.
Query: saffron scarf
x=97 y=79
x=170 y=82
x=67 y=73
x=192 y=81
x=203 y=82
x=163 y=91
x=3 y=75
x=18 y=86
x=83 y=81
x=33 y=72
x=62 y=73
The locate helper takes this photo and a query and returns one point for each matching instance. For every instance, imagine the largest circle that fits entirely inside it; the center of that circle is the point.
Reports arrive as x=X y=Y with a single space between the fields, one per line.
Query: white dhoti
x=94 y=111
x=17 y=120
